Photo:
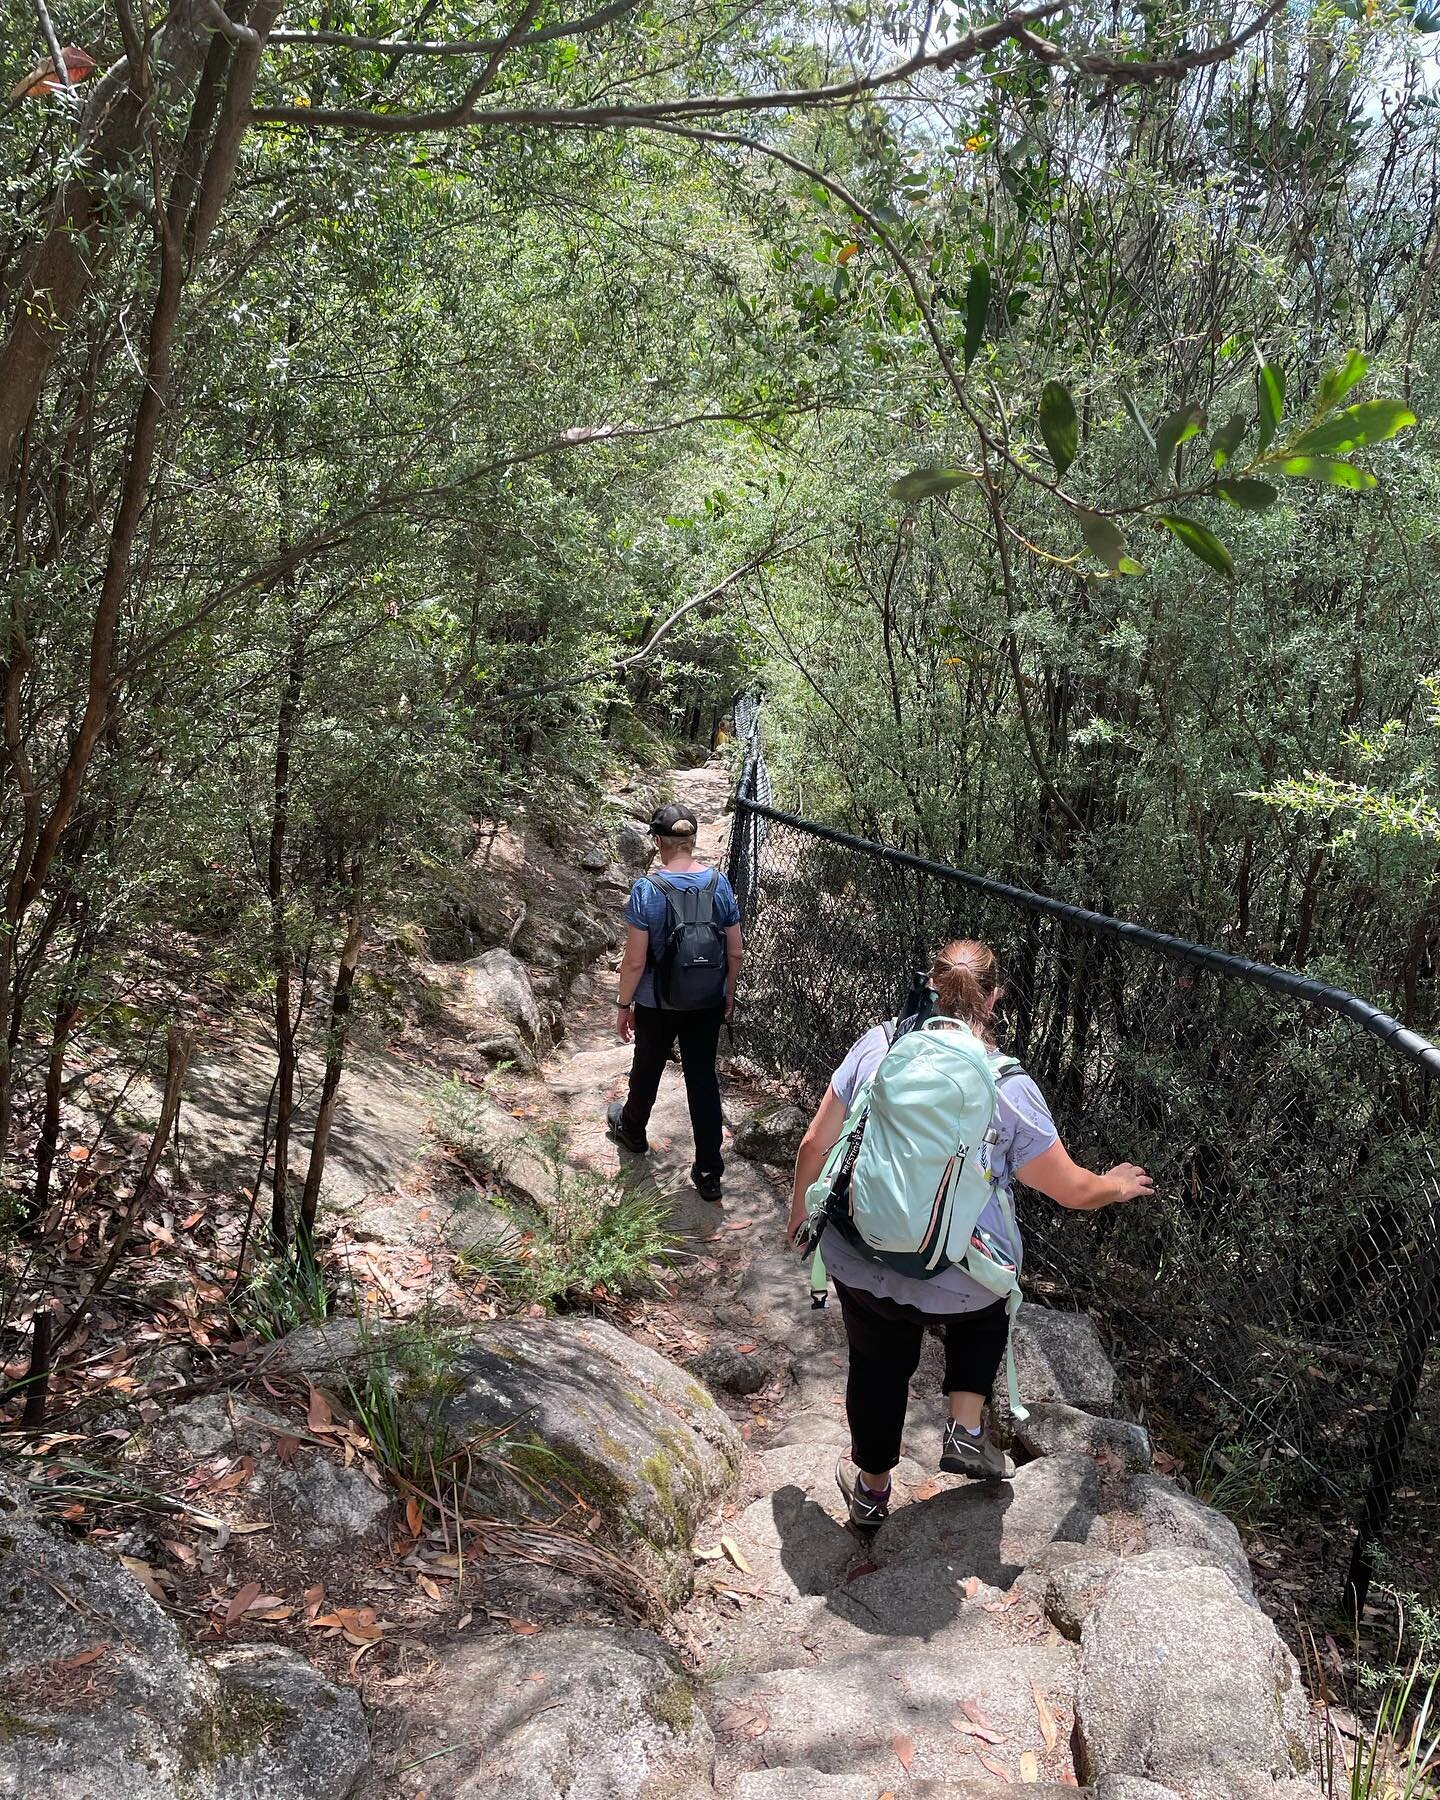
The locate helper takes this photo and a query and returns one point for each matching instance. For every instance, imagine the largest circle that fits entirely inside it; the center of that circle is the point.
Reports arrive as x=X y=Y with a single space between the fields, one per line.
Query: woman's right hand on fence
x=1131 y=1181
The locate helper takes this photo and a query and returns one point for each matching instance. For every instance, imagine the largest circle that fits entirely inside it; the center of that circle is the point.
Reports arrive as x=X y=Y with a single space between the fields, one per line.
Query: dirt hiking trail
x=1085 y=1622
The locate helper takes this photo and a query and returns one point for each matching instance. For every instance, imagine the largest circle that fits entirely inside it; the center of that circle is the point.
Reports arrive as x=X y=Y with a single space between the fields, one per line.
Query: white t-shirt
x=1024 y=1129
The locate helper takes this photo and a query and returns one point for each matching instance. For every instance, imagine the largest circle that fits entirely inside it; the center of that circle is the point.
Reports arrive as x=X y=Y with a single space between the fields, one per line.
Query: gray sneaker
x=868 y=1512
x=977 y=1457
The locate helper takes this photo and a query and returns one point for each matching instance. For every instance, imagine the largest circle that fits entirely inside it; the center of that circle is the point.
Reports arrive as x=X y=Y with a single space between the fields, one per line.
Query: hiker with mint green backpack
x=907 y=1171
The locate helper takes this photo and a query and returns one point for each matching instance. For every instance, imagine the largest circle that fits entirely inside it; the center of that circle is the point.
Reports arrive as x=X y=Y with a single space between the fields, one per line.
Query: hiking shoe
x=706 y=1185
x=977 y=1457
x=868 y=1512
x=615 y=1129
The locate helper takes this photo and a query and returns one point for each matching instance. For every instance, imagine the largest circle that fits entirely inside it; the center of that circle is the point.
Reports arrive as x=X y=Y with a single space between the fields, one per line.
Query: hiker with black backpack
x=907 y=1170
x=677 y=984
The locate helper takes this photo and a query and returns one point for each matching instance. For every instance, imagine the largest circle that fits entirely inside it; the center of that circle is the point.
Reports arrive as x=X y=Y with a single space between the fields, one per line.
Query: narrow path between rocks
x=1087 y=1621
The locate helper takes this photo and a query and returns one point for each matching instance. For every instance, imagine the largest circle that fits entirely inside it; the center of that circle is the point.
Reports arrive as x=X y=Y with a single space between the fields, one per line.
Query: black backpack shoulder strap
x=691 y=905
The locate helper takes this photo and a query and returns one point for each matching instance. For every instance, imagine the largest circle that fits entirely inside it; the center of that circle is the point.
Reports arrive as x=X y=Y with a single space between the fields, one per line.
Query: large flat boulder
x=846 y=1716
x=993 y=1529
x=593 y=1419
x=1184 y=1683
x=593 y=1715
x=147 y=1719
x=1073 y=1589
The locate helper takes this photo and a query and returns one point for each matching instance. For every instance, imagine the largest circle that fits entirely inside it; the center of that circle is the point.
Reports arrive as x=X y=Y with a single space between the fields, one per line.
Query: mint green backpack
x=908 y=1178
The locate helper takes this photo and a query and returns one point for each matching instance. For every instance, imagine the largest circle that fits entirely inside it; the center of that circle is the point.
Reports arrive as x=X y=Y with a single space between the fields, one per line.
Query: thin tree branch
x=398 y=47
x=965 y=49
x=605 y=671
x=57 y=56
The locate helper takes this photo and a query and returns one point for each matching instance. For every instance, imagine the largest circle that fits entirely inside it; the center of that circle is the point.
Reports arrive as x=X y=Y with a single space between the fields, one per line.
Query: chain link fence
x=1273 y=1307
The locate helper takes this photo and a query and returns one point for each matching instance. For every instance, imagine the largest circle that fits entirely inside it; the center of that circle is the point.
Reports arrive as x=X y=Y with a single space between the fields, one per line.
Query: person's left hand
x=730 y=1003
x=799 y=1212
x=624 y=1023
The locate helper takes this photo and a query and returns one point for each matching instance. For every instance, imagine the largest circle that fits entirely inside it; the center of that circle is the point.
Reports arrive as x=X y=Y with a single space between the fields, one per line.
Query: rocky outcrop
x=633 y=849
x=771 y=1135
x=1053 y=1428
x=1184 y=1683
x=500 y=1009
x=582 y=1713
x=1173 y=1519
x=591 y=1415
x=100 y=1695
x=1074 y=1588
x=1059 y=1357
x=724 y=1370
x=330 y=1503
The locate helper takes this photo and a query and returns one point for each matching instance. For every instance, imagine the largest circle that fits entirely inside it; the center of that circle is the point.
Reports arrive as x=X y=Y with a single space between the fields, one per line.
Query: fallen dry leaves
x=241 y=1602
x=1049 y=1730
x=985 y=1733
x=736 y=1555
x=904 y=1748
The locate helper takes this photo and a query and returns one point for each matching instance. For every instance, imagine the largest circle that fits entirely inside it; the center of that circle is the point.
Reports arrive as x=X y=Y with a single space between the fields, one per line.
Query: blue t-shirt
x=1023 y=1129
x=646 y=908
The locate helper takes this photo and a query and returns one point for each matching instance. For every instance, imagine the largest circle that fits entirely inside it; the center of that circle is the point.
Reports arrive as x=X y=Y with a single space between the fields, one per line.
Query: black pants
x=698 y=1033
x=885 y=1342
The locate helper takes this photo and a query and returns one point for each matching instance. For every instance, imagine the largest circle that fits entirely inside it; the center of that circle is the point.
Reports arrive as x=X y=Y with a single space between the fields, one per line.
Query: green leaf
x=1103 y=538
x=1372 y=422
x=1251 y=496
x=1175 y=430
x=1338 y=383
x=1326 y=469
x=1226 y=440
x=1270 y=398
x=1200 y=541
x=1147 y=437
x=1129 y=566
x=924 y=484
x=977 y=309
x=1059 y=426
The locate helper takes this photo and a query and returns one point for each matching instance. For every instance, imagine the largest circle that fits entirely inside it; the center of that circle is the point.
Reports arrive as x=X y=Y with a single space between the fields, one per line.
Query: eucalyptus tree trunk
x=281 y=959
x=336 y=1039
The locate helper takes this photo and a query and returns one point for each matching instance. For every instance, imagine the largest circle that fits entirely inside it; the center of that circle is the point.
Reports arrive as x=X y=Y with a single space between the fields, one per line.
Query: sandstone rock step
x=585 y=1713
x=870 y=1713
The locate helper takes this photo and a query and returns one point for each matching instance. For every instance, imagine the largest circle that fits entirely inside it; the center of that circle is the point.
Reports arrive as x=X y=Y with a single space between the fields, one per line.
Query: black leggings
x=885 y=1342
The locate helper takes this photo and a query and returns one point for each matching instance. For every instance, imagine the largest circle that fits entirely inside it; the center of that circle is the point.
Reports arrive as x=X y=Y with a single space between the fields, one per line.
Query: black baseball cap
x=674 y=821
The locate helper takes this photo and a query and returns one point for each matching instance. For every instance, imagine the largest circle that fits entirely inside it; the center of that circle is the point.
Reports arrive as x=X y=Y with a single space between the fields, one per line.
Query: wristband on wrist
x=624 y=1005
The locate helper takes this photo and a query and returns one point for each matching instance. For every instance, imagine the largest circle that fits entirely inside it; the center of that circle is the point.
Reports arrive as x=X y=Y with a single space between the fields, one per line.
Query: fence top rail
x=1407 y=1044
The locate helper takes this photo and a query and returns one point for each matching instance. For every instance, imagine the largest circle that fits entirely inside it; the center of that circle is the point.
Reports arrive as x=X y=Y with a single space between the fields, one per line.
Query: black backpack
x=691 y=968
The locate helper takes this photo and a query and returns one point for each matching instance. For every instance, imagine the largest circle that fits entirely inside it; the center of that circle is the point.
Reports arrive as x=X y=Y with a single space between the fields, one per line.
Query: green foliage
x=977 y=310
x=602 y=1238
x=1200 y=541
x=397 y=1389
x=1396 y=1757
x=1059 y=426
x=283 y=1292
